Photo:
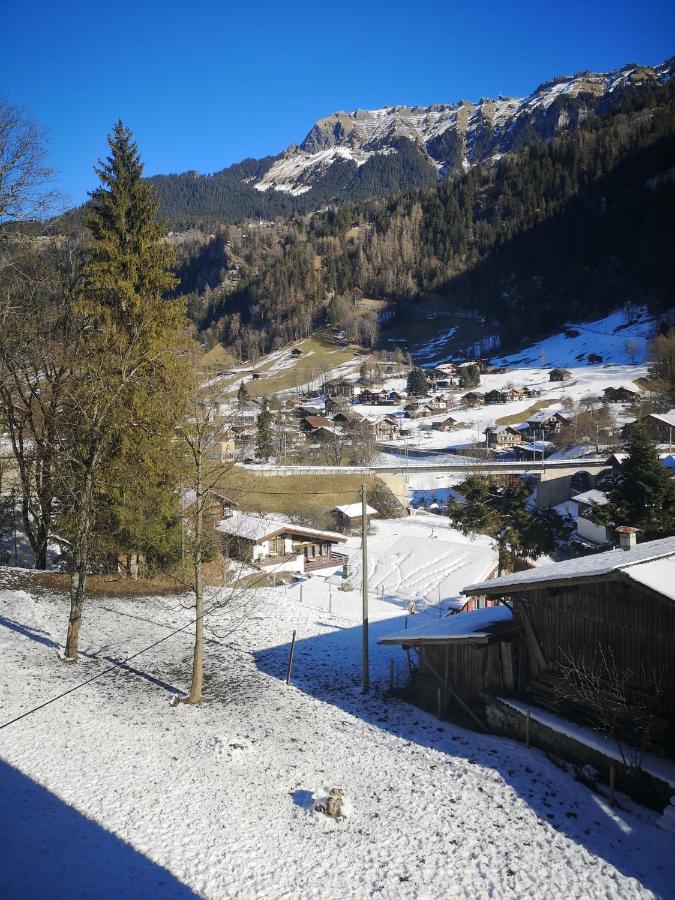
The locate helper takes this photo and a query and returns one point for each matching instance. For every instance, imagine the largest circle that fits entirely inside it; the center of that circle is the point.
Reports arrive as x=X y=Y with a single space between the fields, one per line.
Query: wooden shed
x=460 y=656
x=611 y=615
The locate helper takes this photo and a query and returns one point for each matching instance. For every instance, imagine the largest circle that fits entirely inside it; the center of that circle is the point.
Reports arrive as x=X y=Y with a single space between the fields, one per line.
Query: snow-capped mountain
x=455 y=136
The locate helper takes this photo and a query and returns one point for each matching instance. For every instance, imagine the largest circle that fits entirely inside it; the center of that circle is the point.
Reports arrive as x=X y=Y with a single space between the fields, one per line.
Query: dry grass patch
x=320 y=354
x=525 y=414
x=308 y=496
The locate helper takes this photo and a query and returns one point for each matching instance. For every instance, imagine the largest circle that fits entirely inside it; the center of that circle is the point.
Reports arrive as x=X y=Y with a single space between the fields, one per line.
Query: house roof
x=593 y=496
x=256 y=528
x=595 y=566
x=352 y=510
x=667 y=417
x=470 y=627
x=317 y=421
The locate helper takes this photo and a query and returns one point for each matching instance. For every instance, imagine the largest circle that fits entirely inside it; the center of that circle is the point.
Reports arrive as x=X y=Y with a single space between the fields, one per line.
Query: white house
x=274 y=544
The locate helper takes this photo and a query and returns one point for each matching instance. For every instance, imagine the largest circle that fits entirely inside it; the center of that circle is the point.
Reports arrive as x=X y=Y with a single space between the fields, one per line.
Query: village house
x=342 y=387
x=619 y=395
x=502 y=436
x=382 y=429
x=335 y=405
x=346 y=419
x=495 y=397
x=418 y=410
x=586 y=528
x=273 y=544
x=559 y=375
x=311 y=423
x=370 y=397
x=545 y=424
x=533 y=450
x=439 y=403
x=222 y=450
x=659 y=426
x=446 y=424
x=307 y=410
x=473 y=399
x=350 y=516
x=397 y=397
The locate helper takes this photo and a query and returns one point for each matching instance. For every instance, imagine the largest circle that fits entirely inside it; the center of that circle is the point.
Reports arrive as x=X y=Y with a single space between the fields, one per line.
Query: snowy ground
x=619 y=337
x=111 y=792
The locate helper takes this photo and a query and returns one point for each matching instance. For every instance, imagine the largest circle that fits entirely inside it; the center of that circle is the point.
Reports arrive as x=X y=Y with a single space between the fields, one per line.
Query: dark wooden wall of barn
x=635 y=628
x=471 y=668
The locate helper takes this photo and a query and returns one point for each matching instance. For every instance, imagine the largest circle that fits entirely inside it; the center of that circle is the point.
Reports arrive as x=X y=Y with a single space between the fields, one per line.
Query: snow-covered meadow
x=115 y=792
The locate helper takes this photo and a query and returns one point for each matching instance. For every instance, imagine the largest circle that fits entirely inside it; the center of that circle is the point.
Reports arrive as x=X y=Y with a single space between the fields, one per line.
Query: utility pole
x=364 y=586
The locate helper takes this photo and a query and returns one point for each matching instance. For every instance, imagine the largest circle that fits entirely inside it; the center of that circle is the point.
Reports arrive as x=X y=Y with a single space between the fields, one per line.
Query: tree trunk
x=198 y=656
x=78 y=575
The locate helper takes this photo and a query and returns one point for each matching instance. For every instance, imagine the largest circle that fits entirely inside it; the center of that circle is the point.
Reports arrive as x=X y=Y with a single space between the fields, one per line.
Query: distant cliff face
x=454 y=136
x=352 y=156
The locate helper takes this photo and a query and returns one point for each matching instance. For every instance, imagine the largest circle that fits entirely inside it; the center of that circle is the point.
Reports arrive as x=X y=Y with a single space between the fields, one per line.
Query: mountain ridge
x=351 y=156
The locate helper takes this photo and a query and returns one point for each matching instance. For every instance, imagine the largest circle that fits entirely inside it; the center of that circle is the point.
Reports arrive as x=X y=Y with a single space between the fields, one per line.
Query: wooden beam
x=537 y=659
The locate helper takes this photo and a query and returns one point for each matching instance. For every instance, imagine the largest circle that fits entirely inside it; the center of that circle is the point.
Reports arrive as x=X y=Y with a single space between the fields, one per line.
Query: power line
x=118 y=665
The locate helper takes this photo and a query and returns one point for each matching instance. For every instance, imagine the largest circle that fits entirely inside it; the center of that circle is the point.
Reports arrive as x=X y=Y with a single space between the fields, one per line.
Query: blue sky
x=205 y=84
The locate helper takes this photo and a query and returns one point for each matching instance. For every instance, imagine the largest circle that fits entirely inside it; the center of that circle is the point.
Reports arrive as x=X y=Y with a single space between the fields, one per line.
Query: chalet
x=382 y=429
x=222 y=450
x=619 y=395
x=586 y=528
x=296 y=353
x=350 y=516
x=546 y=424
x=346 y=419
x=439 y=403
x=311 y=423
x=369 y=397
x=473 y=399
x=343 y=387
x=502 y=436
x=660 y=426
x=533 y=450
x=446 y=424
x=307 y=410
x=274 y=544
x=397 y=397
x=418 y=410
x=559 y=375
x=495 y=397
x=334 y=405
x=256 y=375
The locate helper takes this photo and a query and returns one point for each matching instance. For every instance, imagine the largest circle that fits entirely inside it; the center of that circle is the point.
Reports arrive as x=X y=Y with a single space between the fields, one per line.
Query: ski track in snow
x=213 y=800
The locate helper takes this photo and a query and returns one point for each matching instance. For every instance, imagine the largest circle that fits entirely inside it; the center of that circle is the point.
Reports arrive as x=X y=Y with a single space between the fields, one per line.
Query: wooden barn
x=609 y=616
x=570 y=639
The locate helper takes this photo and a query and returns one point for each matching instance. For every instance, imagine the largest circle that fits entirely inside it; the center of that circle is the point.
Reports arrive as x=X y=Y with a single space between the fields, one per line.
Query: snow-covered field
x=112 y=792
x=618 y=337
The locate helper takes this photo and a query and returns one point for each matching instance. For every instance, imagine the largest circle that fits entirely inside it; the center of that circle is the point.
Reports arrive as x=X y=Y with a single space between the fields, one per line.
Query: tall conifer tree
x=130 y=373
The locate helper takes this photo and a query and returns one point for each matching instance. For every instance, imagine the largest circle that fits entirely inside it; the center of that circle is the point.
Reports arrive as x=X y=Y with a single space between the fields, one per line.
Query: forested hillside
x=563 y=229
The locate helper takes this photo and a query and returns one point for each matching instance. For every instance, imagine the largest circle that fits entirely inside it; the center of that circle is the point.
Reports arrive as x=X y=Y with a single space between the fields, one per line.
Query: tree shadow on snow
x=42 y=637
x=328 y=667
x=48 y=849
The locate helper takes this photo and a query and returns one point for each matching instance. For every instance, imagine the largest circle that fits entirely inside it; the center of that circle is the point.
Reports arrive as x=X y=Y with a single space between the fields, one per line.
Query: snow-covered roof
x=257 y=528
x=475 y=626
x=592 y=496
x=352 y=510
x=586 y=567
x=667 y=417
x=658 y=574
